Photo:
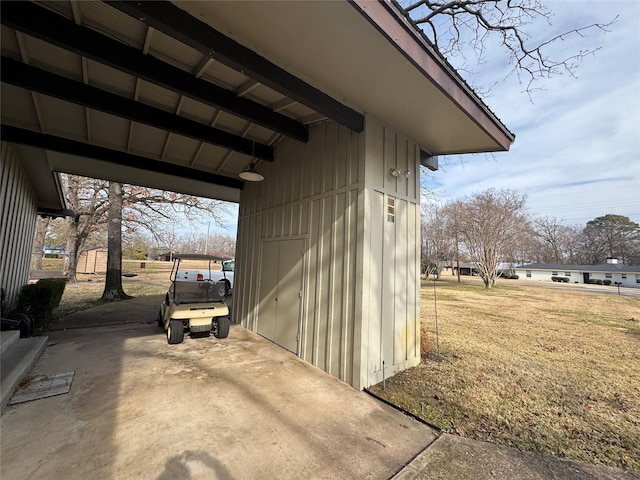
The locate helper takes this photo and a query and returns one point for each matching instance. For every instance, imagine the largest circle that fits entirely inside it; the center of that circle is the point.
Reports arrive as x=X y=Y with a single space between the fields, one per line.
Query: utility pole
x=206 y=240
x=457 y=257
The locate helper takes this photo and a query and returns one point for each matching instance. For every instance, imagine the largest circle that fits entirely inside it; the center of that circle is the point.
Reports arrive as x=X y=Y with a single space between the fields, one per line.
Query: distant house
x=92 y=260
x=625 y=275
x=53 y=251
x=466 y=268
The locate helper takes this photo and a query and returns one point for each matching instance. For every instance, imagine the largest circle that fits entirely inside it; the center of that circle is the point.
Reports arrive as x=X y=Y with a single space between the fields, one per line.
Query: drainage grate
x=42 y=386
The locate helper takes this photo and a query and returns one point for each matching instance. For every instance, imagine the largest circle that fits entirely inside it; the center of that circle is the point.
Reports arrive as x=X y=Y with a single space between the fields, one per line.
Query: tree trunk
x=42 y=225
x=71 y=255
x=71 y=251
x=113 y=290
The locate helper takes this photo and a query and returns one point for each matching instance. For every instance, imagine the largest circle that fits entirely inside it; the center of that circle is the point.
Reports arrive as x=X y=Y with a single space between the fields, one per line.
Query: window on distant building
x=624 y=275
x=607 y=275
x=555 y=274
x=567 y=274
x=529 y=274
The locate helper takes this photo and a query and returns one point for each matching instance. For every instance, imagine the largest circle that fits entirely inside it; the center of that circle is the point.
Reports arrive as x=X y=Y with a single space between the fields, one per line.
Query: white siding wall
x=360 y=285
x=18 y=210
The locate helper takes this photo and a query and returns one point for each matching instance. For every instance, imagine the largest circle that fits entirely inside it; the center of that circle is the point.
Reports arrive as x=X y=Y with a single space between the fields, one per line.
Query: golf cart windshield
x=194 y=284
x=204 y=291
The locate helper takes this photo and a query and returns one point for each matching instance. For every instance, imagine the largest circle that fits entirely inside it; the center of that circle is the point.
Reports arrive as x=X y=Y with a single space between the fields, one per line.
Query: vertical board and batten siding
x=392 y=256
x=18 y=210
x=360 y=302
x=311 y=192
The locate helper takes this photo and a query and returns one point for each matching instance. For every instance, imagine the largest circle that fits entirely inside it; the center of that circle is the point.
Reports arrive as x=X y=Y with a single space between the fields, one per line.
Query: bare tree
x=437 y=243
x=490 y=226
x=87 y=197
x=113 y=290
x=42 y=225
x=137 y=206
x=149 y=209
x=460 y=28
x=556 y=241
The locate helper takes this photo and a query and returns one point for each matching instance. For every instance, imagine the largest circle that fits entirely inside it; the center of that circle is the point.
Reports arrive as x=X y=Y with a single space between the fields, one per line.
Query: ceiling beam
x=178 y=24
x=71 y=147
x=38 y=80
x=48 y=26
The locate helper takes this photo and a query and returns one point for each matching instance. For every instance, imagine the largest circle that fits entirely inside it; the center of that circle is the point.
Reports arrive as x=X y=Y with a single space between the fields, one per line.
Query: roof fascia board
x=51 y=27
x=72 y=147
x=177 y=23
x=35 y=79
x=55 y=213
x=392 y=25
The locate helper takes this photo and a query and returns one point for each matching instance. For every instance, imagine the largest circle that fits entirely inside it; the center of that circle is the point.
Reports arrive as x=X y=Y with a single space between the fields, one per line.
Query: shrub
x=39 y=299
x=555 y=279
x=565 y=279
x=593 y=281
x=607 y=282
x=56 y=285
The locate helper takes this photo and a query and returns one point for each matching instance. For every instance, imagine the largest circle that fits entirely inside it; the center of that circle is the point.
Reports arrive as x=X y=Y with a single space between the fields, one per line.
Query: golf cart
x=194 y=302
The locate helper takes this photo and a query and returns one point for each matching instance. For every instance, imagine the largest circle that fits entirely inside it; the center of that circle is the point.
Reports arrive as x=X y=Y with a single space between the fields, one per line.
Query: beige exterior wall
x=18 y=210
x=391 y=317
x=359 y=301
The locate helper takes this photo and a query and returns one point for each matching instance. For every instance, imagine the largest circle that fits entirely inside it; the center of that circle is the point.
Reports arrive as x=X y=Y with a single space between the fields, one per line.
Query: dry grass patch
x=546 y=370
x=87 y=291
x=140 y=278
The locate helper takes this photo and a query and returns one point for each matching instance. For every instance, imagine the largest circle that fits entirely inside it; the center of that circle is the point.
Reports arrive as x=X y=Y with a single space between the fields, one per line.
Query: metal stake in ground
x=435 y=308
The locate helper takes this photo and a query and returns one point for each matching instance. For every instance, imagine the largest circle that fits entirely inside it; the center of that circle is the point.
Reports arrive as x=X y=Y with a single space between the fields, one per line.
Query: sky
x=577 y=150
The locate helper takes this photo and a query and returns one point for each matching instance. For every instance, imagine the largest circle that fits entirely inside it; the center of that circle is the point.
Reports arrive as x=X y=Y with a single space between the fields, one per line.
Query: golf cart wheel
x=175 y=332
x=221 y=327
x=222 y=290
x=160 y=319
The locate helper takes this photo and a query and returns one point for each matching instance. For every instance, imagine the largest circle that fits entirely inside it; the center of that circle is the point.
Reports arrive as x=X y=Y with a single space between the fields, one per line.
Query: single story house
x=54 y=250
x=625 y=275
x=466 y=268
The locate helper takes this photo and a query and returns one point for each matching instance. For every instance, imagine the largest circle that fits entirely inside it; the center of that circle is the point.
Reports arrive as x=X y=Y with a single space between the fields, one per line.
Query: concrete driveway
x=239 y=408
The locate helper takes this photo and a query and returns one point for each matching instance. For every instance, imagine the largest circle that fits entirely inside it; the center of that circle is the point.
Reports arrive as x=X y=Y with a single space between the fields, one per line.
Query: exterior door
x=281 y=292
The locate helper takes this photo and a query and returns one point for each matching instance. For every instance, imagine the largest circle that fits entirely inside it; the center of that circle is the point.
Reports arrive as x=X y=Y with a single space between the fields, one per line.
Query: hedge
x=39 y=299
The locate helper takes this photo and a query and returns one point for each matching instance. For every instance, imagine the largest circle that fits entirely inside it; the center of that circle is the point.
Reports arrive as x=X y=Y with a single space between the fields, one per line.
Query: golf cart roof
x=198 y=256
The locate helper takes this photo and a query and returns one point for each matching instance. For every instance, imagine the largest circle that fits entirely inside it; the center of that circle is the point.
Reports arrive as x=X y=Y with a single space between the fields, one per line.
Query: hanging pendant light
x=250 y=174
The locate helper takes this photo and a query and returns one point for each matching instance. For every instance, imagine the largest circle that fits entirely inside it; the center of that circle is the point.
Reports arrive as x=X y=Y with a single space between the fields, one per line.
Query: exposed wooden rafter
x=64 y=145
x=178 y=24
x=48 y=26
x=35 y=79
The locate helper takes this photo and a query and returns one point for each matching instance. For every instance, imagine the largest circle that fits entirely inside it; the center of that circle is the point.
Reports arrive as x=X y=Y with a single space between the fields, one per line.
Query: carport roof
x=181 y=96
